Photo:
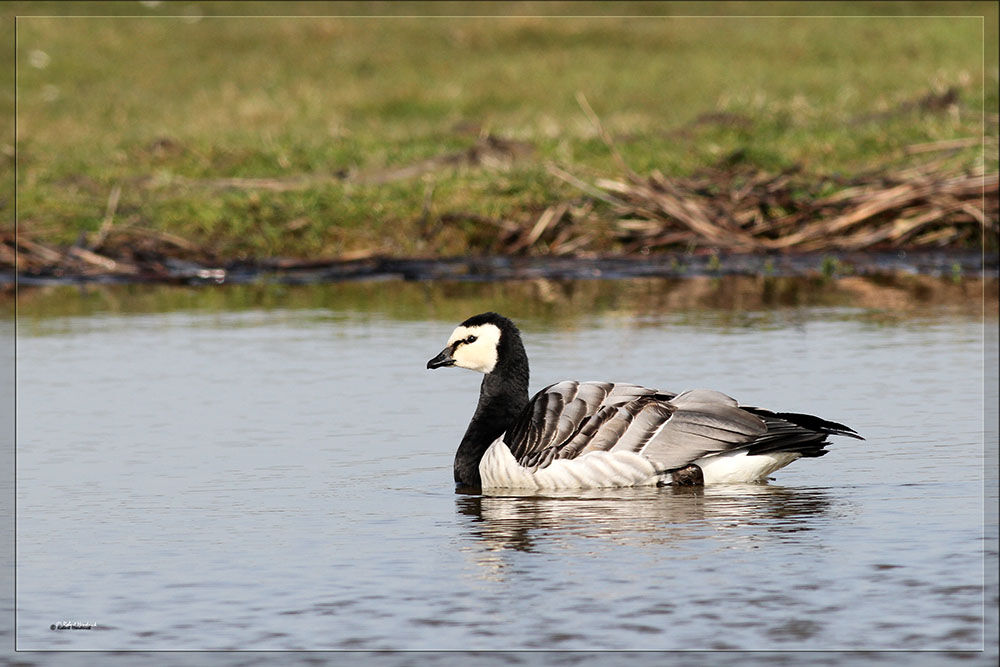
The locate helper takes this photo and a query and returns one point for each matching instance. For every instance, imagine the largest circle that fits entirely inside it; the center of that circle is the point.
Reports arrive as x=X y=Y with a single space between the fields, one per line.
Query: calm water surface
x=265 y=477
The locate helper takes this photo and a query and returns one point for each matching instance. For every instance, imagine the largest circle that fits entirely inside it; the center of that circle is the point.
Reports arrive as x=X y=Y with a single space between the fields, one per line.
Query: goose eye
x=470 y=339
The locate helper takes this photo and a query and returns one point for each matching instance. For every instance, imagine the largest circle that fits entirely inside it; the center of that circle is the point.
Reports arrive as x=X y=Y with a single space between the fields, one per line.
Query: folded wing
x=570 y=419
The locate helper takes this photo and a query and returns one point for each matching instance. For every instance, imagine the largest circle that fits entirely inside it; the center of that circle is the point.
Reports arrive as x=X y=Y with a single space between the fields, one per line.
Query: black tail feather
x=817 y=424
x=795 y=432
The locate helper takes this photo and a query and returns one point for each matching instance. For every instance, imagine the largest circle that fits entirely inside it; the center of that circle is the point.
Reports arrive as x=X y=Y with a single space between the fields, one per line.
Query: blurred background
x=151 y=130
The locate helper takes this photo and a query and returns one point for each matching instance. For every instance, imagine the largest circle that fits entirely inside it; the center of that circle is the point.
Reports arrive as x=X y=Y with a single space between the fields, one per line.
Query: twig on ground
x=109 y=217
x=595 y=120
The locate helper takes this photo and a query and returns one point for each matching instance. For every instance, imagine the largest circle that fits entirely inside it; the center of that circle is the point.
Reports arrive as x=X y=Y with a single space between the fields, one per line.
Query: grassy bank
x=329 y=137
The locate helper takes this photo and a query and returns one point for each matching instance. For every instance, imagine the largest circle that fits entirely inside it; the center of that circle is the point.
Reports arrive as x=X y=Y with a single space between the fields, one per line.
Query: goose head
x=480 y=343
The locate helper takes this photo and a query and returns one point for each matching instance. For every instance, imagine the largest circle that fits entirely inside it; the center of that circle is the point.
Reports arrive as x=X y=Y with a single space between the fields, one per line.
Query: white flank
x=594 y=470
x=738 y=468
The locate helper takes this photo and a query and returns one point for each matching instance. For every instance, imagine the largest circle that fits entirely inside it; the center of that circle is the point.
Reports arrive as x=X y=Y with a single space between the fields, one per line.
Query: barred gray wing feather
x=531 y=440
x=569 y=419
x=614 y=423
x=688 y=436
x=556 y=415
x=554 y=403
x=648 y=417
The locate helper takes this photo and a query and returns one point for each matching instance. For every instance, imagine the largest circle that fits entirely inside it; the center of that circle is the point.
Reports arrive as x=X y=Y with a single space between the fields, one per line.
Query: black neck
x=502 y=397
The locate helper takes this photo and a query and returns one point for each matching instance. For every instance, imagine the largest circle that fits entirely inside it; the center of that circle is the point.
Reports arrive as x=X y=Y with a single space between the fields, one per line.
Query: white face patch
x=479 y=354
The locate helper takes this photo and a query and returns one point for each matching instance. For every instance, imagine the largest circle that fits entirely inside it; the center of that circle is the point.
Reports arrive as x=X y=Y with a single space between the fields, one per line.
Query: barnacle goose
x=577 y=435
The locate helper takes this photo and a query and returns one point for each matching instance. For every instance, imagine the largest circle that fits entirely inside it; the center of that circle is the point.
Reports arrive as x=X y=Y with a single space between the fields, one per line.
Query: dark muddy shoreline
x=950 y=264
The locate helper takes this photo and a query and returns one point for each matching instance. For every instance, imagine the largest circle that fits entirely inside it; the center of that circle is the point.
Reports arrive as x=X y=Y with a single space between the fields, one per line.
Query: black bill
x=443 y=359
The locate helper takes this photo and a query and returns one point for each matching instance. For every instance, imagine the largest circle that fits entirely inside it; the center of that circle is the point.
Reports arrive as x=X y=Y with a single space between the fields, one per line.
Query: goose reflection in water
x=641 y=516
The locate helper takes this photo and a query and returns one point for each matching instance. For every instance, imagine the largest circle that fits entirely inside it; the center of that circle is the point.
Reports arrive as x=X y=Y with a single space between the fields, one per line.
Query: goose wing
x=569 y=419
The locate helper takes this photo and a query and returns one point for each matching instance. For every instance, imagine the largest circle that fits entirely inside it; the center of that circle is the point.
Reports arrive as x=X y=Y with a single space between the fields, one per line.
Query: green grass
x=160 y=105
